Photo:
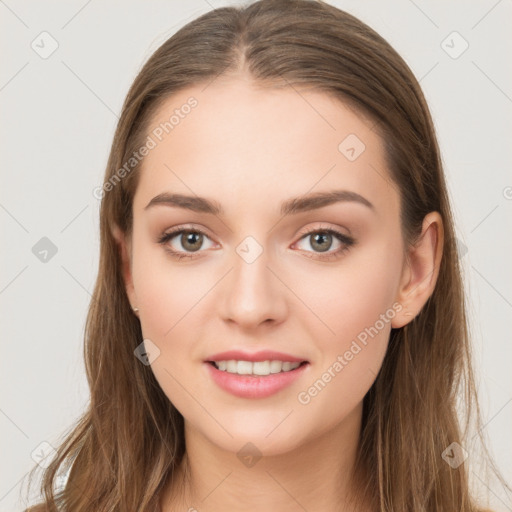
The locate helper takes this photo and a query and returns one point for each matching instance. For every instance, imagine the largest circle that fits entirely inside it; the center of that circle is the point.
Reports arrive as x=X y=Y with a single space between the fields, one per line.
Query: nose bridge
x=254 y=294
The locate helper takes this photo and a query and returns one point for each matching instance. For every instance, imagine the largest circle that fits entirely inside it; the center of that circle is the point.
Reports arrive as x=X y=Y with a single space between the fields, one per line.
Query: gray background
x=58 y=119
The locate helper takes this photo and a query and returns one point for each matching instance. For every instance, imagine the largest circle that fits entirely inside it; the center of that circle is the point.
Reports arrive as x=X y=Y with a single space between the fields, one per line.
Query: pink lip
x=250 y=386
x=263 y=355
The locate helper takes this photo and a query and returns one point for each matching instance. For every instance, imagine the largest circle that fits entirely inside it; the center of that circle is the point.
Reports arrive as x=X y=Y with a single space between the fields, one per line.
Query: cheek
x=169 y=300
x=172 y=301
x=356 y=304
x=349 y=360
x=166 y=293
x=349 y=297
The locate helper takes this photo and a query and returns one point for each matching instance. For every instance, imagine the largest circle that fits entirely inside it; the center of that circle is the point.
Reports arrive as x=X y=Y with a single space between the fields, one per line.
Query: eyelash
x=345 y=239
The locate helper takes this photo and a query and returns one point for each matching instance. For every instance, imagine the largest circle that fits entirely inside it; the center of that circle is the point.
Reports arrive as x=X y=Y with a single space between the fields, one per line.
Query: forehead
x=242 y=144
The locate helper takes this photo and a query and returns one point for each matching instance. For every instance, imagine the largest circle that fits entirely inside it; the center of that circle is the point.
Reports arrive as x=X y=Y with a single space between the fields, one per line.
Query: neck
x=314 y=476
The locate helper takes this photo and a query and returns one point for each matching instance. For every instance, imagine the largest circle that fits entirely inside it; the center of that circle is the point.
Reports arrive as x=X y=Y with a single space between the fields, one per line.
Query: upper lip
x=262 y=355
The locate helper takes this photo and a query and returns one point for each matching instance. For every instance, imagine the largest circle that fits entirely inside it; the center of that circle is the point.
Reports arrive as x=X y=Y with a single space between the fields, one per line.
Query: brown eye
x=191 y=240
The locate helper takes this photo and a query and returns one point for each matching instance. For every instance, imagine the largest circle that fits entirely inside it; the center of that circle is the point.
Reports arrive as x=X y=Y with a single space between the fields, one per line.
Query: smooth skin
x=250 y=149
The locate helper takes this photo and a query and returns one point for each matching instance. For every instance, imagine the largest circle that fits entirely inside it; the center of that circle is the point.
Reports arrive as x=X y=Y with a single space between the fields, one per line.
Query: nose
x=252 y=294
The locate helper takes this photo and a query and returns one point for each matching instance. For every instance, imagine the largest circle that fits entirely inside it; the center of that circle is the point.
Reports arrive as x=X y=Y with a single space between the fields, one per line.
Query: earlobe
x=124 y=248
x=421 y=270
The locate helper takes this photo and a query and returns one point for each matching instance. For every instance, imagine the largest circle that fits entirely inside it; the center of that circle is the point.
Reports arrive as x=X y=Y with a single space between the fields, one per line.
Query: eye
x=191 y=241
x=321 y=240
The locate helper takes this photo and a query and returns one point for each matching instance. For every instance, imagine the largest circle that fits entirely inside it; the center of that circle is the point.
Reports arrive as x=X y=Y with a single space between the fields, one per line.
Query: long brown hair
x=130 y=440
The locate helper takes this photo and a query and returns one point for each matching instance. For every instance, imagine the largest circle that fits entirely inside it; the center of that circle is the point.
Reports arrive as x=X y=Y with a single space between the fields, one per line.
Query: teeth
x=256 y=368
x=231 y=366
x=276 y=366
x=261 y=368
x=244 y=367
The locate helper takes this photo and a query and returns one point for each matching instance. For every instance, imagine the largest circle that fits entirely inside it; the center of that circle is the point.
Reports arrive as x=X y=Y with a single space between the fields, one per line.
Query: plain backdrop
x=59 y=113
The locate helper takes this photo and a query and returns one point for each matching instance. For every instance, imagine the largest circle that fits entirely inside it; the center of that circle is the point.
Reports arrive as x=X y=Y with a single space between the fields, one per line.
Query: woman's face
x=263 y=272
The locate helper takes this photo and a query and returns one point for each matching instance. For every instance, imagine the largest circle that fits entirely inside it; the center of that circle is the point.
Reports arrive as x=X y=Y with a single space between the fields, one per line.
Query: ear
x=124 y=245
x=420 y=271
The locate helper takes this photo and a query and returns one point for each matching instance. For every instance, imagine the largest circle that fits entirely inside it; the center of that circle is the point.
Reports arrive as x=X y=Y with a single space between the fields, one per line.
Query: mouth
x=256 y=368
x=255 y=379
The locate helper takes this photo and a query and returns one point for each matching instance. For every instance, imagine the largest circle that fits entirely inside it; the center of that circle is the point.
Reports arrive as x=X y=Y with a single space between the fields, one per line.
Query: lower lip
x=249 y=386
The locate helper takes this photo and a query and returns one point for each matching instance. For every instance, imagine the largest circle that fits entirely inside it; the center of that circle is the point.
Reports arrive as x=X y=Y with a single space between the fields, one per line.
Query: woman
x=278 y=321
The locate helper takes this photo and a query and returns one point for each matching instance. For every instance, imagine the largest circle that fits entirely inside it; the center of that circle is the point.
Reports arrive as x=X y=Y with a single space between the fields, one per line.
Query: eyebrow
x=289 y=207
